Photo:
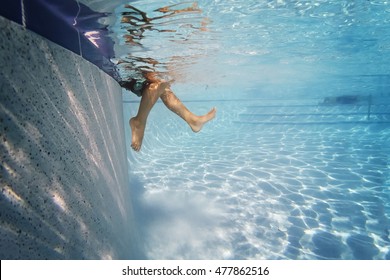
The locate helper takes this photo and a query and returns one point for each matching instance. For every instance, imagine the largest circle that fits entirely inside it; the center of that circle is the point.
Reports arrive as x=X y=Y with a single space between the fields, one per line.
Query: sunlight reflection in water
x=265 y=192
x=284 y=180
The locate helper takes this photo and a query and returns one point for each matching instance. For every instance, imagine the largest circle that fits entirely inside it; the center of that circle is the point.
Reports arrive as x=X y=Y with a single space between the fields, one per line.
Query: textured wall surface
x=63 y=173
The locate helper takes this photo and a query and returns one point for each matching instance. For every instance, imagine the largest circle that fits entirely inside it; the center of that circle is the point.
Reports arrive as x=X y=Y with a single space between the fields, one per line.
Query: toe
x=135 y=147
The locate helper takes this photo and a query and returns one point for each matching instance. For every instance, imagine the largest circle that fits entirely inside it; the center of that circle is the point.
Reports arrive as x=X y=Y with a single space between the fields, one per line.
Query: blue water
x=278 y=174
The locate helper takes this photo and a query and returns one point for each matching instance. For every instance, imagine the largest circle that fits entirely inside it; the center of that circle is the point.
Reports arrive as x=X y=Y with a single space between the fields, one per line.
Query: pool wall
x=64 y=178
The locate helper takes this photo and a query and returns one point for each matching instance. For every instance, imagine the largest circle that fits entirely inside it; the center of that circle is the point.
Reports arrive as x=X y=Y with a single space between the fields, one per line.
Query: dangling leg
x=175 y=105
x=138 y=123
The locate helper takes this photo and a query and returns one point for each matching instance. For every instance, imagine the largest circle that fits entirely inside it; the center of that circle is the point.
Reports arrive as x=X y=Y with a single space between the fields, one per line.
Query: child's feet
x=198 y=123
x=137 y=134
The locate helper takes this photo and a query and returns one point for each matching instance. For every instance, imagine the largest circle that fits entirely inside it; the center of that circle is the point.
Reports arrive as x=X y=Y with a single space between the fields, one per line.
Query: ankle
x=134 y=120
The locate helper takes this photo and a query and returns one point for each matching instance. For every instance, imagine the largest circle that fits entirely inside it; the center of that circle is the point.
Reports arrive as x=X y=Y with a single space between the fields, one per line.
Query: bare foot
x=198 y=123
x=137 y=134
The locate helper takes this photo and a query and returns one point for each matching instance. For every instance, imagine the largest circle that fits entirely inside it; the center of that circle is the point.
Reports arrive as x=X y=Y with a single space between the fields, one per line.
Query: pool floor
x=265 y=182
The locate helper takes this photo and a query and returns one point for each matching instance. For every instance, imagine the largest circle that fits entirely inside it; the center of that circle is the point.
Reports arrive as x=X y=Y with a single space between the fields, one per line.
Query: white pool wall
x=64 y=178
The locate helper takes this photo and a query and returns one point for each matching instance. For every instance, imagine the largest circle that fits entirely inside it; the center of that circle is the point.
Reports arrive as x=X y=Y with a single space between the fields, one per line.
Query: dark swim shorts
x=136 y=86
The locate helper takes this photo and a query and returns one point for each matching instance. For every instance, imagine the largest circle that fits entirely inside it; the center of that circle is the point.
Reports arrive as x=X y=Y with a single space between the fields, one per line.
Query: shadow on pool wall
x=63 y=173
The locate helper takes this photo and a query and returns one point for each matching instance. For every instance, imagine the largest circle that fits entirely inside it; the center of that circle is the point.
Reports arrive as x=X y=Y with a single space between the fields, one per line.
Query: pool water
x=257 y=190
x=279 y=174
